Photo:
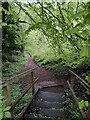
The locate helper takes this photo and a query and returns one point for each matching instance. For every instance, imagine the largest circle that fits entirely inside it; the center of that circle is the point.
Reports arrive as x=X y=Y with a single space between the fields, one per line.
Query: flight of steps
x=46 y=104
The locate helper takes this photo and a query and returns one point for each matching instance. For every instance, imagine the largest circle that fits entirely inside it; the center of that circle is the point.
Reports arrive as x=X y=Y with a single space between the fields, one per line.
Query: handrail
x=12 y=79
x=20 y=115
x=6 y=86
x=71 y=86
x=21 y=96
x=83 y=81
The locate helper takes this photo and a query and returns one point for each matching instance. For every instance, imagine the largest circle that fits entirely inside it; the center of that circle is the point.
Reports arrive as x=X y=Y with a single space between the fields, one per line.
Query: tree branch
x=19 y=11
x=59 y=7
x=35 y=11
x=23 y=22
x=77 y=7
x=80 y=36
x=50 y=13
x=39 y=14
x=26 y=12
x=53 y=15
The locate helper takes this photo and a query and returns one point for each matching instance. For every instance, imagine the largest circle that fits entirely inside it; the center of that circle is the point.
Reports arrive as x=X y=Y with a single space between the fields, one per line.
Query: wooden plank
x=50 y=97
x=47 y=112
x=17 y=77
x=21 y=114
x=7 y=94
x=45 y=104
x=54 y=85
x=72 y=81
x=83 y=81
x=84 y=86
x=51 y=94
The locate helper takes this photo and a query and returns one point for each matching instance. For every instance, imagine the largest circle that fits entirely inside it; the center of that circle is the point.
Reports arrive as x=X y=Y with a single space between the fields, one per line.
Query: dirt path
x=45 y=77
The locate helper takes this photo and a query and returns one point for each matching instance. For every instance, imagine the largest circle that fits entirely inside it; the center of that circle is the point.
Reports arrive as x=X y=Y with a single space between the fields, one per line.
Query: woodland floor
x=45 y=77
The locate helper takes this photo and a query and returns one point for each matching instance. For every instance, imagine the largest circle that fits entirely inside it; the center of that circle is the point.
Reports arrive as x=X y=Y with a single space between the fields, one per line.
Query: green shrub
x=4 y=110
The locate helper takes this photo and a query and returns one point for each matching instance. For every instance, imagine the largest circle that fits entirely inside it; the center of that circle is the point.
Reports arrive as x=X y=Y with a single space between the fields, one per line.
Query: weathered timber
x=83 y=81
x=75 y=98
x=21 y=96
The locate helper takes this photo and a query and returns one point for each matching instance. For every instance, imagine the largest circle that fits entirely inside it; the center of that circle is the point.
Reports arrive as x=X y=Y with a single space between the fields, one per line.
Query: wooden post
x=32 y=76
x=72 y=81
x=7 y=94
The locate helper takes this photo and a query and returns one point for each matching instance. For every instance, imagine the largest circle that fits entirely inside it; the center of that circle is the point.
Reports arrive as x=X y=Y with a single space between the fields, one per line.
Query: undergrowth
x=11 y=68
x=71 y=108
x=15 y=93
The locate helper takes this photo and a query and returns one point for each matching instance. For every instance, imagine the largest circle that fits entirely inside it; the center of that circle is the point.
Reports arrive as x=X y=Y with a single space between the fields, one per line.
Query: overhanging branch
x=80 y=37
x=26 y=12
x=50 y=13
x=20 y=21
x=36 y=12
x=53 y=15
x=59 y=7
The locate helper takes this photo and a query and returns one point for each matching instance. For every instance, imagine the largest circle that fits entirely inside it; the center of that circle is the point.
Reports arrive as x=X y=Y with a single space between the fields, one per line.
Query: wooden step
x=55 y=89
x=45 y=104
x=50 y=97
x=47 y=112
x=52 y=94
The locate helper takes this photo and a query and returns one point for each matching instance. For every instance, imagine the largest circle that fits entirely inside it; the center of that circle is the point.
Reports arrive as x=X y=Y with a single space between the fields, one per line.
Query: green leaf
x=7 y=115
x=87 y=19
x=1 y=115
x=6 y=12
x=0 y=9
x=72 y=30
x=4 y=24
x=1 y=97
x=88 y=78
x=81 y=104
x=7 y=108
x=88 y=93
x=86 y=103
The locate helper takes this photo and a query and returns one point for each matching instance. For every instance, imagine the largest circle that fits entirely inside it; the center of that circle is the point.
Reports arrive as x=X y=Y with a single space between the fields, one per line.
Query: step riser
x=47 y=104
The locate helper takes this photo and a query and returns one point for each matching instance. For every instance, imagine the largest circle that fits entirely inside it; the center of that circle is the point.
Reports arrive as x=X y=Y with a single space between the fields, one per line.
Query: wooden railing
x=7 y=90
x=74 y=77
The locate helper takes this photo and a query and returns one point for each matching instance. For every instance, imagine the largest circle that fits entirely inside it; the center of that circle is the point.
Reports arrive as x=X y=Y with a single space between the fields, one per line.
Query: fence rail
x=17 y=77
x=7 y=90
x=85 y=115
